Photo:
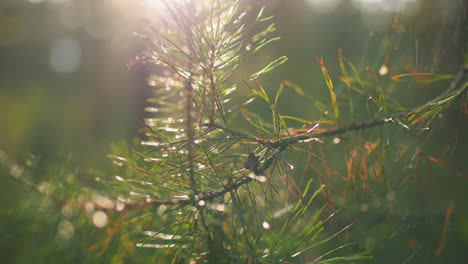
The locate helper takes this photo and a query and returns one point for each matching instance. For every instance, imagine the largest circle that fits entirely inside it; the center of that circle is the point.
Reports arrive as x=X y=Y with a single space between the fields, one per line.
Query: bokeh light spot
x=65 y=55
x=324 y=6
x=100 y=219
x=65 y=230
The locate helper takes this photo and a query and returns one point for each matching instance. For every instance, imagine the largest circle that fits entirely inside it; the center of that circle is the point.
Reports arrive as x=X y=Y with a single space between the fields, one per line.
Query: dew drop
x=383 y=70
x=119 y=178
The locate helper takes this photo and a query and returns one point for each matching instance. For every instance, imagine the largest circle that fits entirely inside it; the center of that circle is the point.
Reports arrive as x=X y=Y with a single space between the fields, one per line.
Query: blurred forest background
x=66 y=94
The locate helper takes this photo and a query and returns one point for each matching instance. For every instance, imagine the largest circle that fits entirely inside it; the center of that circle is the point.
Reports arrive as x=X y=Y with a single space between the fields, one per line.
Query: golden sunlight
x=153 y=3
x=145 y=8
x=160 y=3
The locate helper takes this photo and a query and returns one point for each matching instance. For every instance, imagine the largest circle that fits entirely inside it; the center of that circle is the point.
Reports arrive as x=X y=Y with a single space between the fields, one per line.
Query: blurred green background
x=66 y=91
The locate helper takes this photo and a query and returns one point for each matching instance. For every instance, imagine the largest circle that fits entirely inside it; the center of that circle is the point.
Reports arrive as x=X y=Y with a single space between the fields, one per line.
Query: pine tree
x=213 y=181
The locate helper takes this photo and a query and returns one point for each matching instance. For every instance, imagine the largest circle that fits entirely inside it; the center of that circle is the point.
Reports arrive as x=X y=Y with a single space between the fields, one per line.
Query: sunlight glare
x=381 y=5
x=324 y=6
x=155 y=4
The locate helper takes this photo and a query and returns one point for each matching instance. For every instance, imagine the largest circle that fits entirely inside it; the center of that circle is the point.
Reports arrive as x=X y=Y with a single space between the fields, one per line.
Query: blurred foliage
x=401 y=183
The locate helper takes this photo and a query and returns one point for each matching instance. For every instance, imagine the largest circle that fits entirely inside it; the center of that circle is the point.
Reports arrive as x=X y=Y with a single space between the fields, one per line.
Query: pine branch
x=460 y=80
x=232 y=132
x=459 y=83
